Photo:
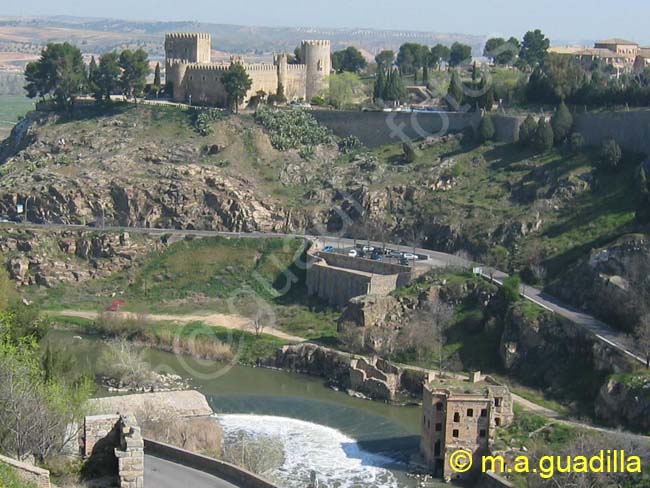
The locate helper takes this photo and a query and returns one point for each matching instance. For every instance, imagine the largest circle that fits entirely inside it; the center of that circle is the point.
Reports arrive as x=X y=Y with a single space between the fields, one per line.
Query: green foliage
x=511 y=288
x=350 y=144
x=562 y=123
x=135 y=68
x=237 y=83
x=60 y=72
x=439 y=54
x=202 y=120
x=460 y=54
x=486 y=129
x=576 y=143
x=345 y=90
x=291 y=129
x=10 y=479
x=610 y=154
x=534 y=48
x=389 y=86
x=350 y=59
x=544 y=137
x=385 y=59
x=559 y=78
x=502 y=52
x=413 y=56
x=643 y=207
x=106 y=78
x=486 y=91
x=455 y=94
x=409 y=152
x=527 y=130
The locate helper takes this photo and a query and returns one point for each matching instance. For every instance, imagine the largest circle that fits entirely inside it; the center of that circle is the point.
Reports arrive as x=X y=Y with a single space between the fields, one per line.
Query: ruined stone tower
x=317 y=57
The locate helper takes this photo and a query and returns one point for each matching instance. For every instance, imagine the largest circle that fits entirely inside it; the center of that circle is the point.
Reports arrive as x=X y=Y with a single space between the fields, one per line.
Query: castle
x=197 y=80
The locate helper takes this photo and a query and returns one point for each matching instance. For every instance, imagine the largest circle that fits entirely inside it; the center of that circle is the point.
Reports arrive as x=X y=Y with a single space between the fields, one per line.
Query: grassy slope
x=11 y=108
x=216 y=274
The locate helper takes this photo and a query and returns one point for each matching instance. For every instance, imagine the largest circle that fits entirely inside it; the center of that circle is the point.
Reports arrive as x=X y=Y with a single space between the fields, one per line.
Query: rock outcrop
x=625 y=400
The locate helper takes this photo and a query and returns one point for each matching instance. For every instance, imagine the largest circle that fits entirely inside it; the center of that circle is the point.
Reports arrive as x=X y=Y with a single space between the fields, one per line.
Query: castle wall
x=203 y=82
x=295 y=83
x=264 y=77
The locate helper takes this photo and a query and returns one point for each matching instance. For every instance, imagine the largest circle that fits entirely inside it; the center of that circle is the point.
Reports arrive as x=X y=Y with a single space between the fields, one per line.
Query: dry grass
x=201 y=435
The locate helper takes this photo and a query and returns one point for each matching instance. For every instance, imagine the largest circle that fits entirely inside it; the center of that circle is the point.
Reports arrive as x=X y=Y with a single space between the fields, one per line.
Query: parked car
x=329 y=249
x=353 y=253
x=376 y=255
x=396 y=254
x=404 y=262
x=368 y=249
x=410 y=256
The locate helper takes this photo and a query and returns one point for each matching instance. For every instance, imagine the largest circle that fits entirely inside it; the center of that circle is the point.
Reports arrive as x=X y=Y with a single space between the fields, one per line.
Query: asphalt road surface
x=159 y=473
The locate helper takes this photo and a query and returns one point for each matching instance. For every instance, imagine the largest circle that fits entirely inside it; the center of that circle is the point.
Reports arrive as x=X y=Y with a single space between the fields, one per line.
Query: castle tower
x=317 y=57
x=182 y=49
x=282 y=64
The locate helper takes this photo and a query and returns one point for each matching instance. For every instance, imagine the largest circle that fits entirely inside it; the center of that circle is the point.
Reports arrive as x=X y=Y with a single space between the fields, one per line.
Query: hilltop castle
x=196 y=78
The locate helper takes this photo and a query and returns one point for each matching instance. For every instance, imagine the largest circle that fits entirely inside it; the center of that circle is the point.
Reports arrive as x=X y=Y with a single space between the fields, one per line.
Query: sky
x=561 y=20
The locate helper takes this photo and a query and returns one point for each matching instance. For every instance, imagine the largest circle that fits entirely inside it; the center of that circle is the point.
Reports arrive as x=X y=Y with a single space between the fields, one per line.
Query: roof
x=644 y=52
x=617 y=40
x=601 y=53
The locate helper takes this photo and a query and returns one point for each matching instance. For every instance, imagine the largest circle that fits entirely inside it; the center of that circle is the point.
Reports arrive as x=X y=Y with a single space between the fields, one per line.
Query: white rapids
x=337 y=459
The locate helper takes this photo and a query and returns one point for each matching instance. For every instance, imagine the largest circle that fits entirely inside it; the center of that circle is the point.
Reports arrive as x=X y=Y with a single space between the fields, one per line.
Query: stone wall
x=492 y=480
x=226 y=471
x=130 y=454
x=334 y=285
x=99 y=428
x=28 y=473
x=377 y=378
x=630 y=129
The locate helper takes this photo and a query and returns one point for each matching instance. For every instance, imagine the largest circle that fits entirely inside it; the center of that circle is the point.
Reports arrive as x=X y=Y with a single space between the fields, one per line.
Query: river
x=348 y=442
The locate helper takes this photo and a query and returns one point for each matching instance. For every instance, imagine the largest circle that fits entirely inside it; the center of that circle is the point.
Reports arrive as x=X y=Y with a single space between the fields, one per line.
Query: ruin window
x=454 y=433
x=497 y=421
x=482 y=433
x=484 y=412
x=456 y=417
x=470 y=412
x=203 y=78
x=439 y=406
x=436 y=449
x=497 y=402
x=438 y=427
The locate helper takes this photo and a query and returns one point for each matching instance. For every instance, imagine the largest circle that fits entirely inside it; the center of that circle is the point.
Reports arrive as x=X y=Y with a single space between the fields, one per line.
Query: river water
x=348 y=442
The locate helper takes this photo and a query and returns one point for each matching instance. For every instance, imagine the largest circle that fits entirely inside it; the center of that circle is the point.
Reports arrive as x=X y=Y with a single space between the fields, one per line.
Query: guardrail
x=221 y=469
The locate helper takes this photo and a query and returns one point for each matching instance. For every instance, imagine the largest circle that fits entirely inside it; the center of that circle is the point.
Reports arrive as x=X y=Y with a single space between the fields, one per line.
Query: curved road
x=160 y=473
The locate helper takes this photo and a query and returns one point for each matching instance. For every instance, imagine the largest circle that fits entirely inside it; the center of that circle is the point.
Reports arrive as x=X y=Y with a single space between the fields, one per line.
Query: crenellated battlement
x=187 y=35
x=316 y=42
x=208 y=67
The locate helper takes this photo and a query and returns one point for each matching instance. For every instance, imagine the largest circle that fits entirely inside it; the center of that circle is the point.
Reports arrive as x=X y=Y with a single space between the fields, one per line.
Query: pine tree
x=425 y=74
x=562 y=122
x=92 y=75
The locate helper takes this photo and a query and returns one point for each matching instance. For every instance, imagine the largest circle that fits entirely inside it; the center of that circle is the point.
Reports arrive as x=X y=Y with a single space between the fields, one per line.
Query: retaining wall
x=221 y=469
x=28 y=473
x=631 y=129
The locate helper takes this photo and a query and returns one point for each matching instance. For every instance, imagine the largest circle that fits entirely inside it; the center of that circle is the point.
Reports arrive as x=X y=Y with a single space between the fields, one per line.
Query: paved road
x=159 y=473
x=601 y=331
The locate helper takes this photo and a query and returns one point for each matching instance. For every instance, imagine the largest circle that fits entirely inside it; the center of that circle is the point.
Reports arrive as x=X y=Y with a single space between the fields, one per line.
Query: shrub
x=610 y=154
x=486 y=129
x=350 y=144
x=511 y=288
x=290 y=129
x=409 y=152
x=576 y=143
x=561 y=122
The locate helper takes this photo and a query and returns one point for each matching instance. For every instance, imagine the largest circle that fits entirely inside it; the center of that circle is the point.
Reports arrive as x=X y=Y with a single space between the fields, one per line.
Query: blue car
x=328 y=249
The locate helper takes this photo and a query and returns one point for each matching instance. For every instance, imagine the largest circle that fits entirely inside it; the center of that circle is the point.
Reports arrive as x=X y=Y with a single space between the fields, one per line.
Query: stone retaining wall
x=226 y=471
x=130 y=454
x=99 y=428
x=28 y=473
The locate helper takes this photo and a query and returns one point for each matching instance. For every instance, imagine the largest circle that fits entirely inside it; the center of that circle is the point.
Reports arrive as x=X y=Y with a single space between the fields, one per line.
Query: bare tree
x=426 y=332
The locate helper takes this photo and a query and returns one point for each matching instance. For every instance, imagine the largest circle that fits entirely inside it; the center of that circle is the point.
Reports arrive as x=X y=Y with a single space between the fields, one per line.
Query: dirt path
x=235 y=322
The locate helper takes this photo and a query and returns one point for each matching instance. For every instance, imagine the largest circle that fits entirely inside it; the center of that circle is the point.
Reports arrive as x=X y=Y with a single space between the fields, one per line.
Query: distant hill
x=99 y=35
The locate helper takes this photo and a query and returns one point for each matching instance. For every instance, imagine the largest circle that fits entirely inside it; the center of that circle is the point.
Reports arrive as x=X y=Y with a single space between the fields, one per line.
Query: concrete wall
x=335 y=286
x=365 y=265
x=28 y=473
x=226 y=471
x=631 y=130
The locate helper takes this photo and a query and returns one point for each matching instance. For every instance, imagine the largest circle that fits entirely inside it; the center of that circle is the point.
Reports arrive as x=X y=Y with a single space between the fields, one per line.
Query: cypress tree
x=455 y=92
x=527 y=130
x=562 y=122
x=156 y=75
x=486 y=129
x=380 y=84
x=544 y=136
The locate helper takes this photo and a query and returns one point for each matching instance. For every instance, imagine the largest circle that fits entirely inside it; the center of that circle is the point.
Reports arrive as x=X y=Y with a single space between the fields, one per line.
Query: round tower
x=317 y=58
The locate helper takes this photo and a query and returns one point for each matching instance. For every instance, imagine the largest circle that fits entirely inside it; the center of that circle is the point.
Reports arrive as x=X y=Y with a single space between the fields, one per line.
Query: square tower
x=188 y=47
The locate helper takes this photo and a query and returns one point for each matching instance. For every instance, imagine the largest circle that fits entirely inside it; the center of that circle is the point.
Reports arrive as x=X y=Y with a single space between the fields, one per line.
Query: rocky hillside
x=540 y=215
